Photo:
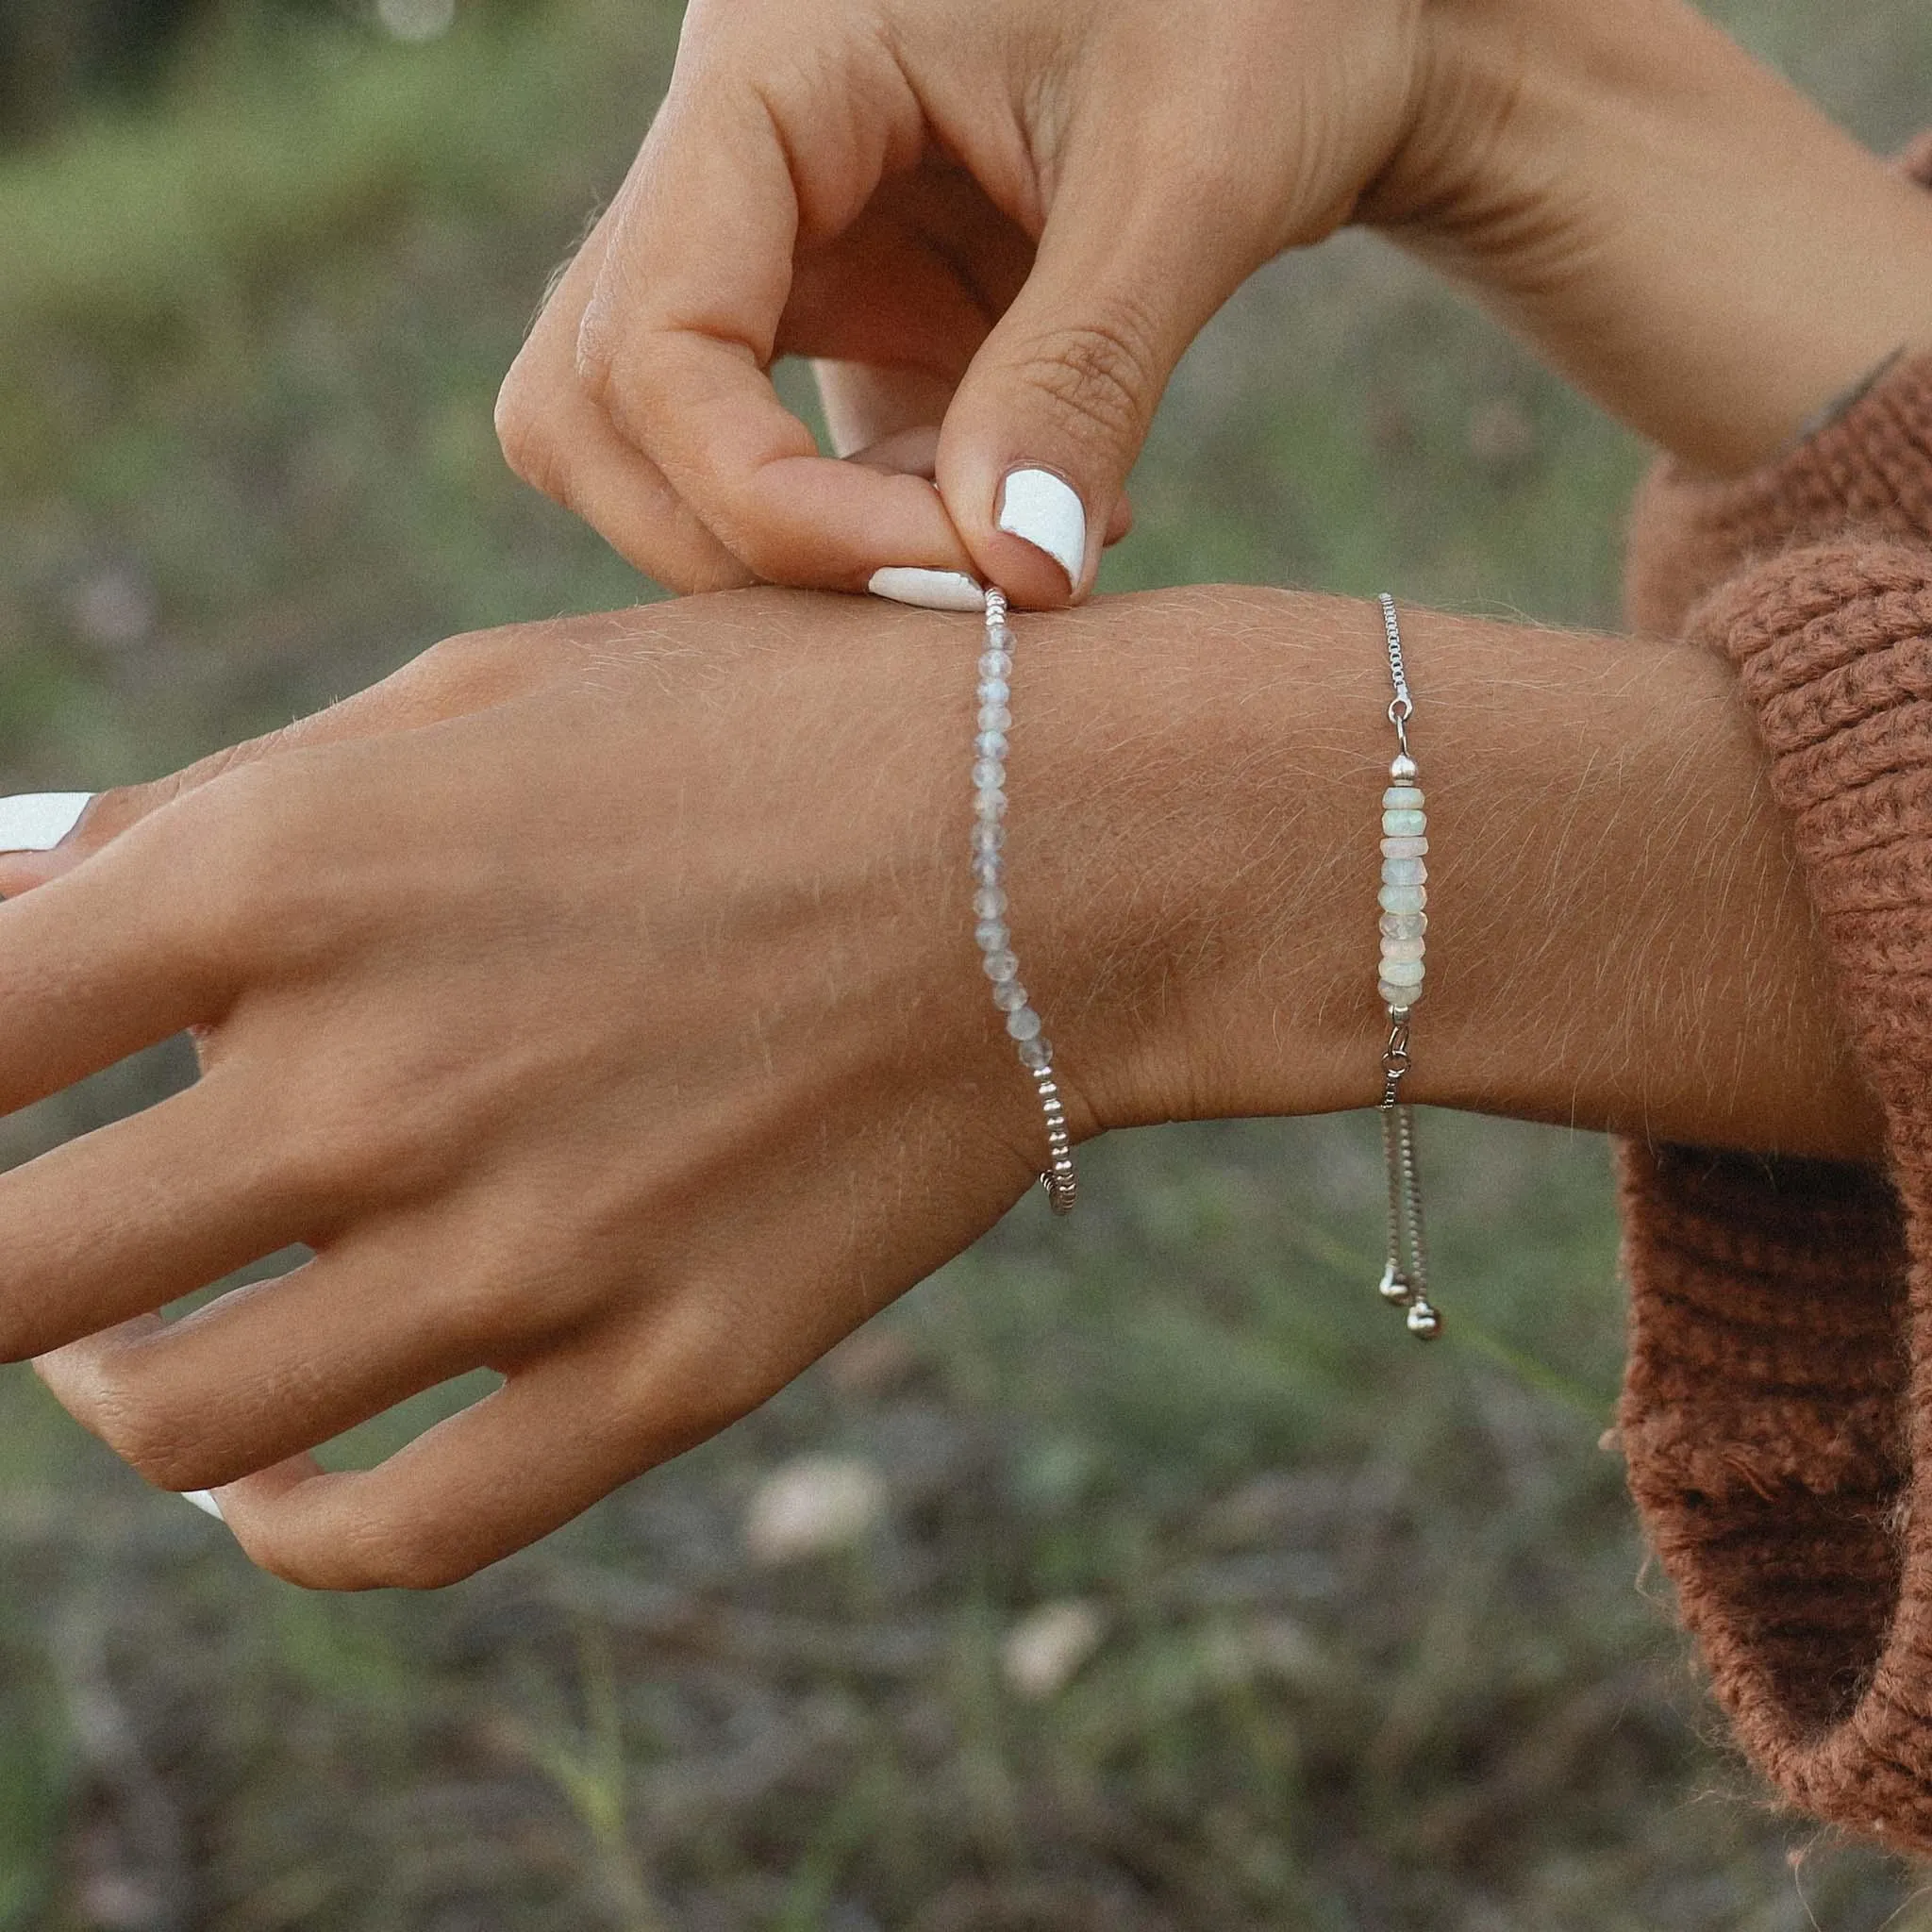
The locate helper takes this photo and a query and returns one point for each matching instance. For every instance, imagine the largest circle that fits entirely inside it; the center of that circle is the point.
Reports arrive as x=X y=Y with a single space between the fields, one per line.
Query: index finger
x=681 y=327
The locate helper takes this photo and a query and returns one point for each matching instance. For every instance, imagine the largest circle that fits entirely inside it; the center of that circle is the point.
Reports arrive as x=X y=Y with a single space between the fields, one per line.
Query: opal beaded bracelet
x=994 y=937
x=1404 y=899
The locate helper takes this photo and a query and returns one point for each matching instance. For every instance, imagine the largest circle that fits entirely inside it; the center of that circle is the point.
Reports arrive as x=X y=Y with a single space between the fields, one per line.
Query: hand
x=596 y=999
x=998 y=225
x=1013 y=216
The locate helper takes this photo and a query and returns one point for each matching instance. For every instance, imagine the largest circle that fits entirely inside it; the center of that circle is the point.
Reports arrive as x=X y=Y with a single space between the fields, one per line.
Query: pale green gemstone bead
x=1403 y=898
x=995 y=717
x=1403 y=797
x=1404 y=825
x=1399 y=995
x=988 y=775
x=989 y=805
x=1405 y=926
x=1404 y=872
x=1405 y=848
x=994 y=691
x=1391 y=949
x=996 y=664
x=1403 y=971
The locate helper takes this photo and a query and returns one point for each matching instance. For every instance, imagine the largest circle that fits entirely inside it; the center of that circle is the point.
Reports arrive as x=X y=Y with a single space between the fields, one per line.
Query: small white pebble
x=813 y=1505
x=1045 y=1650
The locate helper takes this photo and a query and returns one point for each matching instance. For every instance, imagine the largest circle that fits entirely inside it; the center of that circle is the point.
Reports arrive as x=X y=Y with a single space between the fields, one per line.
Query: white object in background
x=931 y=590
x=1045 y=1649
x=813 y=1505
x=38 y=820
x=204 y=1500
x=1046 y=511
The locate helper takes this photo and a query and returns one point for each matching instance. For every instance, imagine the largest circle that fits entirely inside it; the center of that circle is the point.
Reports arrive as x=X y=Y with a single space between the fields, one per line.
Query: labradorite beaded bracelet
x=1404 y=900
x=994 y=935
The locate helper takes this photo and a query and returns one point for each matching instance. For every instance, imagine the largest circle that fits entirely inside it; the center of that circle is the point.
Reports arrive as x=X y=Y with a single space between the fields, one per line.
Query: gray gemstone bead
x=990 y=936
x=989 y=901
x=991 y=745
x=995 y=718
x=989 y=805
x=996 y=664
x=989 y=838
x=1036 y=1053
x=1010 y=996
x=1025 y=1024
x=988 y=775
x=999 y=966
x=994 y=691
x=999 y=637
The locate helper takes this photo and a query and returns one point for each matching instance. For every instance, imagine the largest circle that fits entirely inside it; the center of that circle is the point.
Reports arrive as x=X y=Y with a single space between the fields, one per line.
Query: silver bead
x=1402 y=769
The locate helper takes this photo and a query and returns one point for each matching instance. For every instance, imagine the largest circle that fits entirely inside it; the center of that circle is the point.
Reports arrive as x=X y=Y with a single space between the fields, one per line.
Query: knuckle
x=1100 y=372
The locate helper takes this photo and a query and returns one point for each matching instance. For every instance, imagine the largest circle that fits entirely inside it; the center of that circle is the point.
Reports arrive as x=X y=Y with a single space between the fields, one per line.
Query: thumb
x=1051 y=415
x=44 y=834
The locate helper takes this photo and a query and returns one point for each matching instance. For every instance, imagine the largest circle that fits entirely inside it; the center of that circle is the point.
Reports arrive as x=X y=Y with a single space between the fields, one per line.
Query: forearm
x=1618 y=936
x=1665 y=220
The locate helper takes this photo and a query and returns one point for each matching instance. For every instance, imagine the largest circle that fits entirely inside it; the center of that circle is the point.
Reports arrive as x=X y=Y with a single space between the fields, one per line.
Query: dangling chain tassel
x=1404 y=900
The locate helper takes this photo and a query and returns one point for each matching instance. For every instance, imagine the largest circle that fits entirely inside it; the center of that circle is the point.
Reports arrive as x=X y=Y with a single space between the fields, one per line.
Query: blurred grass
x=1376 y=1647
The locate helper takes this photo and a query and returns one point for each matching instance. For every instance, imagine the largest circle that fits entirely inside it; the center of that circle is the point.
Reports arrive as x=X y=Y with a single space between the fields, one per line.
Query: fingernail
x=1045 y=509
x=38 y=820
x=931 y=590
x=204 y=1500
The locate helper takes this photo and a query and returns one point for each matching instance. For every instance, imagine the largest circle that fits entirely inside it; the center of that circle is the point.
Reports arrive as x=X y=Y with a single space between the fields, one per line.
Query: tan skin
x=623 y=1033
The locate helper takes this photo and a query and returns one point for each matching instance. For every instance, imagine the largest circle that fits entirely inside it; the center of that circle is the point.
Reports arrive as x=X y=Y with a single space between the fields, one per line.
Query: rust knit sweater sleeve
x=1778 y=1408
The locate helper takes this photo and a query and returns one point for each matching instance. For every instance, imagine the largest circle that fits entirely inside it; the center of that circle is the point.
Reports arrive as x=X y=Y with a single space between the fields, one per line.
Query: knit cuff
x=1869 y=471
x=1777 y=1408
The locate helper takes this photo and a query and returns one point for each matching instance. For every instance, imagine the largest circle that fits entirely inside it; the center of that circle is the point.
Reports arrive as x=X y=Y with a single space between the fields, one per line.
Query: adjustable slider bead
x=1423 y=1320
x=1394 y=1289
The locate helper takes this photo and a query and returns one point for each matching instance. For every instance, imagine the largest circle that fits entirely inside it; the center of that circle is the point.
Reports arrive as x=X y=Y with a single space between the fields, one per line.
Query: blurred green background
x=1135 y=1572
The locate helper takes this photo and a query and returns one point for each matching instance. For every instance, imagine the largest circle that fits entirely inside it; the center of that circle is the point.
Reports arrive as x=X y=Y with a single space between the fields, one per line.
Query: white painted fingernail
x=38 y=820
x=204 y=1500
x=1046 y=510
x=931 y=590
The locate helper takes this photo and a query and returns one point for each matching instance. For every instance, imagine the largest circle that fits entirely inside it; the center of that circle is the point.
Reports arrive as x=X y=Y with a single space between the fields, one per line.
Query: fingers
x=276 y=1368
x=642 y=399
x=1048 y=421
x=175 y=1197
x=522 y=1462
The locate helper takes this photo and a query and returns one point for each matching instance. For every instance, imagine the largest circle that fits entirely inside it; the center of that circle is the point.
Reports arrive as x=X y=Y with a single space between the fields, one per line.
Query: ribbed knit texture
x=1778 y=1408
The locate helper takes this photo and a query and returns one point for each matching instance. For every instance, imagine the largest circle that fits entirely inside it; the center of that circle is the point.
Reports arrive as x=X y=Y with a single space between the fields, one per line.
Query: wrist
x=1618 y=939
x=1663 y=218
